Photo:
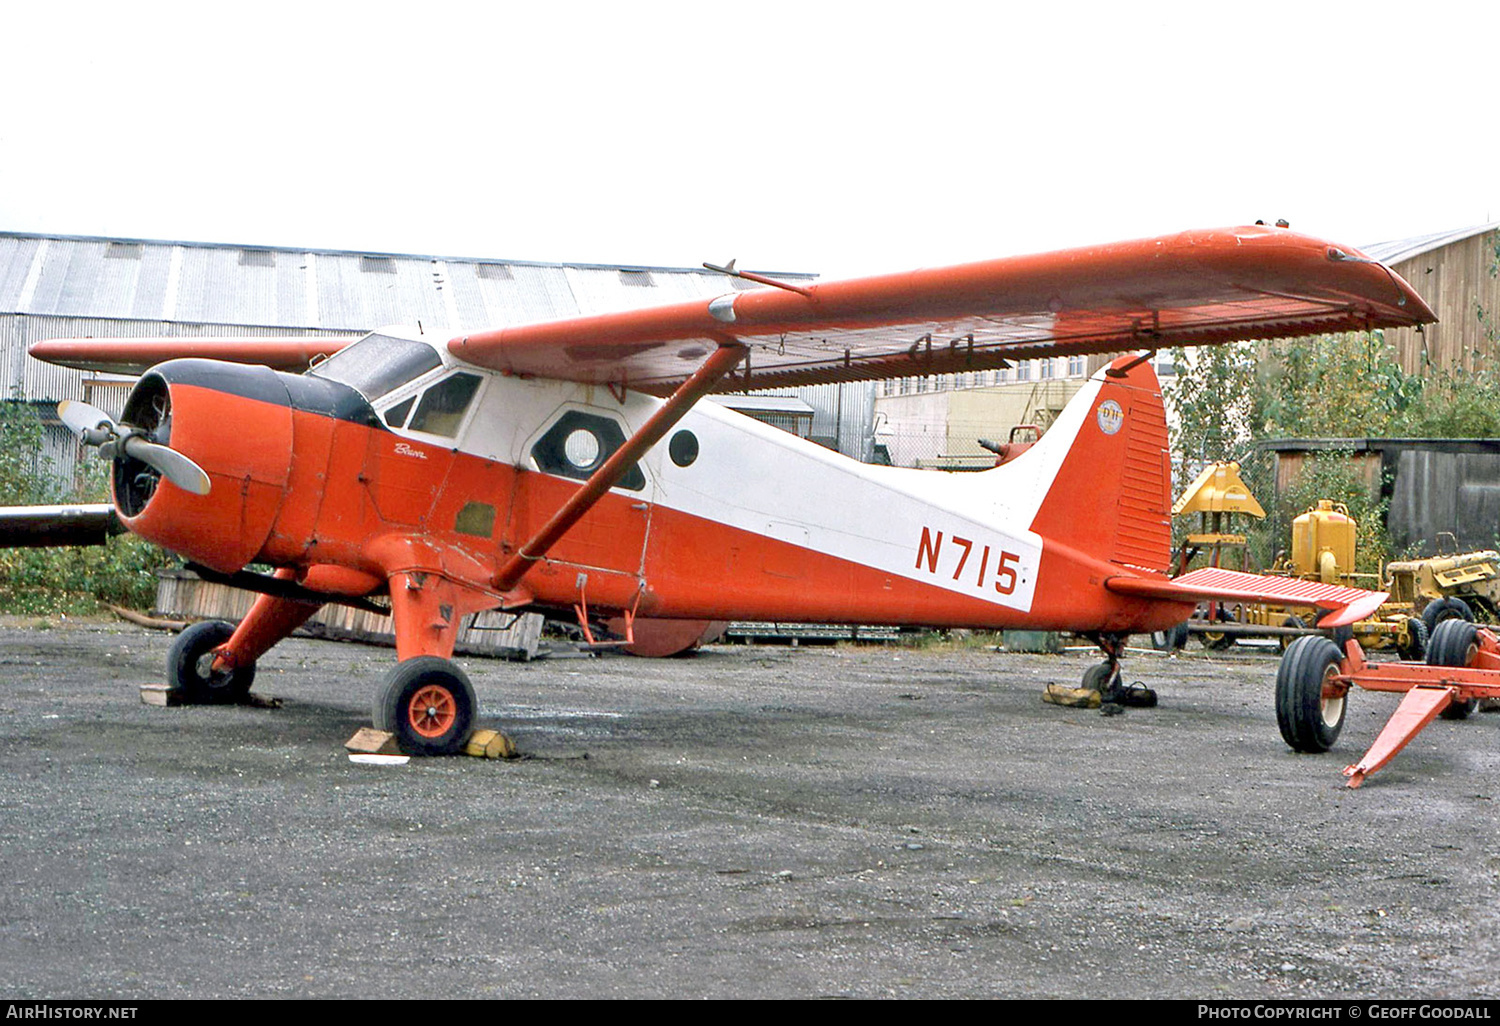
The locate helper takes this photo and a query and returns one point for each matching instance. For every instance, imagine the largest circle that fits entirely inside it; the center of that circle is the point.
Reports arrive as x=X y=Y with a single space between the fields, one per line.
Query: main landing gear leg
x=1105 y=678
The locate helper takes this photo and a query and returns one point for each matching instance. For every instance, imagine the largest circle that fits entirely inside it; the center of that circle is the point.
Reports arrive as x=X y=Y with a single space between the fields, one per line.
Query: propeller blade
x=84 y=420
x=174 y=466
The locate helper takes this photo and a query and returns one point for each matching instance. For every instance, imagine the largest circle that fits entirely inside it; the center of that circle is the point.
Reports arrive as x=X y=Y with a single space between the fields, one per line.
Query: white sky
x=819 y=136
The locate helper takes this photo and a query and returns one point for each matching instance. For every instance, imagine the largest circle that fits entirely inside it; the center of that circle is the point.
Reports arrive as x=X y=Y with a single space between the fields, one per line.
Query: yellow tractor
x=1465 y=586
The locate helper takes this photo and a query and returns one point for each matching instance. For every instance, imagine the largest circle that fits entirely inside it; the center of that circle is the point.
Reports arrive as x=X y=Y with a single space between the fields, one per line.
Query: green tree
x=1212 y=398
x=1333 y=386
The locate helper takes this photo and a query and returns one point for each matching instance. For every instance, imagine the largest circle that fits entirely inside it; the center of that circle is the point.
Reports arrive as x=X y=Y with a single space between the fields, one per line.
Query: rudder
x=1111 y=494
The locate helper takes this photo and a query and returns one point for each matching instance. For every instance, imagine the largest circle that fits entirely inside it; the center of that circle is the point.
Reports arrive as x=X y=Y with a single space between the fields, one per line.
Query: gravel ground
x=749 y=822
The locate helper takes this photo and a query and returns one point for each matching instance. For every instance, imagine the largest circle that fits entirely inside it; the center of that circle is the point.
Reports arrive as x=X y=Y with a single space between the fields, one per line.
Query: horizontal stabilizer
x=1345 y=605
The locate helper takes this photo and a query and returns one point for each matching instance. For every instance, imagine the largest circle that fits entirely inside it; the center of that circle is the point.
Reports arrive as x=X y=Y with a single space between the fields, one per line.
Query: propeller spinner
x=95 y=427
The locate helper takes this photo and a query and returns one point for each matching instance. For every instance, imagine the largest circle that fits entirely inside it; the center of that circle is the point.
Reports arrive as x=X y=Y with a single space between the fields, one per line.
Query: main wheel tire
x=189 y=667
x=1455 y=643
x=1446 y=608
x=1310 y=703
x=428 y=704
x=1416 y=640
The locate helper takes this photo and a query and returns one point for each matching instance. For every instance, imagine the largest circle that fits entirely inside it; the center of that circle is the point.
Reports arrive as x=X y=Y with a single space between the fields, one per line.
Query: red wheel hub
x=432 y=711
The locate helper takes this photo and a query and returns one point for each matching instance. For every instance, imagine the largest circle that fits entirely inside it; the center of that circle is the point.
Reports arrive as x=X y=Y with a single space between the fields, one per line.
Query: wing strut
x=703 y=380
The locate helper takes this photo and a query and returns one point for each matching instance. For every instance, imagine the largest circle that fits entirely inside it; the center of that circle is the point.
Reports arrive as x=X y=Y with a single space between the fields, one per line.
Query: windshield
x=376 y=364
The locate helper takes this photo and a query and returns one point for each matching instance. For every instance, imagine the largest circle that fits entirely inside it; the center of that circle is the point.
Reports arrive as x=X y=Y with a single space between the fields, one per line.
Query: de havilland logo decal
x=1110 y=416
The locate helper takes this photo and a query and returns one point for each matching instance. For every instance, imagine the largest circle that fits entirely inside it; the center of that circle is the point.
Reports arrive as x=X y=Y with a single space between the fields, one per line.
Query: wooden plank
x=490 y=633
x=369 y=741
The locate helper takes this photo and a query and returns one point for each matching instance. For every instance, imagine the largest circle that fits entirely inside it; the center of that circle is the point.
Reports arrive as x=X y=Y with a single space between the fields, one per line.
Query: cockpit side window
x=377 y=364
x=442 y=407
x=396 y=415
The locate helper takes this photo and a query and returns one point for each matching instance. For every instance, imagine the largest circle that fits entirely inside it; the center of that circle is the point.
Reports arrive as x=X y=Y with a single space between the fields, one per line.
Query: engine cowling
x=235 y=422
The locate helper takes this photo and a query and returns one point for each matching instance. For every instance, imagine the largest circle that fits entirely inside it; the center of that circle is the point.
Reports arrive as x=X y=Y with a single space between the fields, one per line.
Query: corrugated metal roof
x=279 y=287
x=1404 y=249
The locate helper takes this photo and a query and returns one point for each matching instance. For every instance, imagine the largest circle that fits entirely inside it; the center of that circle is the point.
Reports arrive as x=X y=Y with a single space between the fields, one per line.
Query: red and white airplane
x=569 y=466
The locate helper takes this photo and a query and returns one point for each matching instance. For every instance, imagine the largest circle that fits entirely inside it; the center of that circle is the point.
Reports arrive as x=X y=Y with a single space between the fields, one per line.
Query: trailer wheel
x=428 y=703
x=190 y=666
x=1455 y=643
x=1310 y=700
x=1416 y=640
x=1445 y=608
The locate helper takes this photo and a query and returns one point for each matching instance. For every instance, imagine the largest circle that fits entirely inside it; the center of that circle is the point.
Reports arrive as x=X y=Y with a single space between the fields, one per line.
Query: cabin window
x=579 y=444
x=396 y=415
x=442 y=407
x=683 y=448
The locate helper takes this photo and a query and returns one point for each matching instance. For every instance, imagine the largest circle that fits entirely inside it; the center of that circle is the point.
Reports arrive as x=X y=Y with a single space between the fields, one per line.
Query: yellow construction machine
x=1464 y=585
x=1323 y=549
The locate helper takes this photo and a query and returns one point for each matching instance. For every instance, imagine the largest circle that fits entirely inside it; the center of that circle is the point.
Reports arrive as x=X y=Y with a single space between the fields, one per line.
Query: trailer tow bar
x=1463 y=667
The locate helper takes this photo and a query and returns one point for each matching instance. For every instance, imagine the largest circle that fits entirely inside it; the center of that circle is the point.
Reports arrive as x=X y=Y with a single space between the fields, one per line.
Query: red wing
x=1193 y=288
x=137 y=355
x=1348 y=605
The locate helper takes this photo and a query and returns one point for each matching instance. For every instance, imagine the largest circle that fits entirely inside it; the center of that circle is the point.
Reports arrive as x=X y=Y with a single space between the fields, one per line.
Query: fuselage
x=392 y=457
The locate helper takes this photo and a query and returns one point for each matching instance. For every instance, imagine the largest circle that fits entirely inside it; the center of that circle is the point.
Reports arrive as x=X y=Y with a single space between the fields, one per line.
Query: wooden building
x=1456 y=273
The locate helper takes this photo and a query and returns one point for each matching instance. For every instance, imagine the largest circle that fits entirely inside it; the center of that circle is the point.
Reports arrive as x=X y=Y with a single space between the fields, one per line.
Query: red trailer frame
x=1463 y=667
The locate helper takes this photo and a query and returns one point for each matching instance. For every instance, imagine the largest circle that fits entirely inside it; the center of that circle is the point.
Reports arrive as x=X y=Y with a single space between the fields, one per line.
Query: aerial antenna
x=760 y=279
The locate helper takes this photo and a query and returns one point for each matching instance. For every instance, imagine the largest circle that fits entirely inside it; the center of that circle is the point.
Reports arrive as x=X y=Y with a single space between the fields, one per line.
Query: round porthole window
x=683 y=448
x=581 y=448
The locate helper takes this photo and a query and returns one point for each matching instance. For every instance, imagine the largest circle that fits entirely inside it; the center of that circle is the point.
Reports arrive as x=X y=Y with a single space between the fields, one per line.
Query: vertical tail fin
x=1111 y=490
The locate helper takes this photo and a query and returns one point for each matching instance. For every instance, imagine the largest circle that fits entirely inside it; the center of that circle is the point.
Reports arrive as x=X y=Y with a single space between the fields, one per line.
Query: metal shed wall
x=1432 y=485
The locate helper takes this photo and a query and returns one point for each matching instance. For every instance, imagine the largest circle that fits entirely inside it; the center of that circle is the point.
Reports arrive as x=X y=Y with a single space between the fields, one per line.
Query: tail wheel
x=1455 y=643
x=1310 y=699
x=428 y=704
x=190 y=666
x=1101 y=677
